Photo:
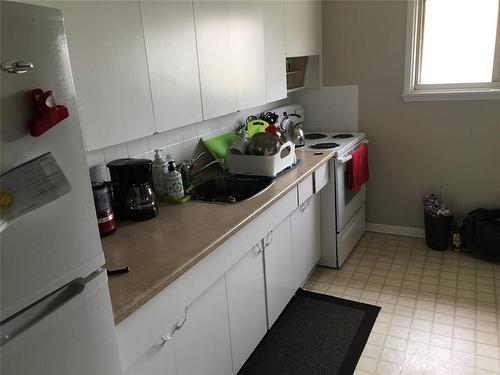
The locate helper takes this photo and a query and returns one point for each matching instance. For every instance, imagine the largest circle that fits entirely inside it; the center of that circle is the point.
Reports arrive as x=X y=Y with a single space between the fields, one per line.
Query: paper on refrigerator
x=29 y=186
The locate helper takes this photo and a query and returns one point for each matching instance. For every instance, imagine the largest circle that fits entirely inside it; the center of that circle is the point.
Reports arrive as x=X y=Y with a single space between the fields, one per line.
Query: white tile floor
x=439 y=309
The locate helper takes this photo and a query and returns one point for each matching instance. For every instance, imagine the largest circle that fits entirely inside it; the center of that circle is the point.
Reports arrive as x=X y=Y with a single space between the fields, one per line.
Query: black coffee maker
x=133 y=196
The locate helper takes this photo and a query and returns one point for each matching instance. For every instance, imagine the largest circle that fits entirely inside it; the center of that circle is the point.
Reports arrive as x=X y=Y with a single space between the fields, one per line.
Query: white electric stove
x=343 y=218
x=340 y=142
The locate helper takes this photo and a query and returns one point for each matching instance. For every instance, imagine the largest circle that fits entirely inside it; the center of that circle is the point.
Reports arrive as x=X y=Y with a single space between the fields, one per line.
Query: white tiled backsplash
x=180 y=142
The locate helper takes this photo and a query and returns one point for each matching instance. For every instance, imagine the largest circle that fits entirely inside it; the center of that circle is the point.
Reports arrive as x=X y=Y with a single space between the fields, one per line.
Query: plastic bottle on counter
x=159 y=174
x=173 y=182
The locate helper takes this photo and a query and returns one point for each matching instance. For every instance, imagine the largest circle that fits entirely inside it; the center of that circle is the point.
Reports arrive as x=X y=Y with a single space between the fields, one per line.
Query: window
x=453 y=50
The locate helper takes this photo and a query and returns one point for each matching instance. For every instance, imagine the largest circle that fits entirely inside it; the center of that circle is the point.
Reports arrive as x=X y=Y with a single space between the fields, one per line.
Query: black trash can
x=437 y=231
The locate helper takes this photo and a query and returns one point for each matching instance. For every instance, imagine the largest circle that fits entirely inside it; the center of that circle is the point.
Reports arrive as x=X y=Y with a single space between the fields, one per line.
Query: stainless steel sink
x=229 y=189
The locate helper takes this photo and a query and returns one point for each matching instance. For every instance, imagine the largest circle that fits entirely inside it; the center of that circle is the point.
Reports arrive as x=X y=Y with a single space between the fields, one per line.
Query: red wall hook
x=47 y=112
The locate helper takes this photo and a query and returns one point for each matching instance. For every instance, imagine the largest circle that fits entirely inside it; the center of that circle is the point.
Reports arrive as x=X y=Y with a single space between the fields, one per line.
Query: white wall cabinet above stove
x=108 y=61
x=170 y=40
x=303 y=30
x=230 y=39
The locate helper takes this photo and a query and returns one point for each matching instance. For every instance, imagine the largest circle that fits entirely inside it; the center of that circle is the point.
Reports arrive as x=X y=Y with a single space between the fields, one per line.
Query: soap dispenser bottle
x=173 y=182
x=158 y=174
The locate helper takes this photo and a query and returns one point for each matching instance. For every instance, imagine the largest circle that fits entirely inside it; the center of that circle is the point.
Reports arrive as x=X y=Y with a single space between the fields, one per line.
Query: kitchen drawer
x=305 y=189
x=320 y=177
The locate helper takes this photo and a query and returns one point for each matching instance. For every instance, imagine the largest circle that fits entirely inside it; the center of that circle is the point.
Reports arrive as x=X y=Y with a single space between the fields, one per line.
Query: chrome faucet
x=186 y=169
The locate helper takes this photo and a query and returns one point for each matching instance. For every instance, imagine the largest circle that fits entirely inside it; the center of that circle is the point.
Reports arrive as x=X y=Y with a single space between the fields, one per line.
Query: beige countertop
x=160 y=250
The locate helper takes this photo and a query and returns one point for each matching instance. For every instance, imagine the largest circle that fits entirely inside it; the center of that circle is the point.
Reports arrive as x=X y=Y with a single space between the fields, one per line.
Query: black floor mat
x=315 y=334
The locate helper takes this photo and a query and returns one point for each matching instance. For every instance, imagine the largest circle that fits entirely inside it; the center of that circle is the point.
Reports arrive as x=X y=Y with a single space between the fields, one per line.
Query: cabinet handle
x=269 y=238
x=177 y=327
x=303 y=206
x=258 y=249
x=16 y=66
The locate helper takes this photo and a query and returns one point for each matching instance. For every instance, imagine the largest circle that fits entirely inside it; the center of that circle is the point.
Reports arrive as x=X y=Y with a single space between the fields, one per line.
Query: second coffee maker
x=133 y=196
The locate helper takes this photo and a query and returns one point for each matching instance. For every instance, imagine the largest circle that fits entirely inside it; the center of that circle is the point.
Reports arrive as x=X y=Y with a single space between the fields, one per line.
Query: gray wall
x=415 y=147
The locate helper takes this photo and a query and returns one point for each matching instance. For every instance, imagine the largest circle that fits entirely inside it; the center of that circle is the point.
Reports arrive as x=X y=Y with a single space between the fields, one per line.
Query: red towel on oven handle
x=358 y=168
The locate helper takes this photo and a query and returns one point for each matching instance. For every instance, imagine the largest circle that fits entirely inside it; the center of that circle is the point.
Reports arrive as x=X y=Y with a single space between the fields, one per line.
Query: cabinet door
x=314 y=232
x=202 y=345
x=230 y=40
x=108 y=61
x=159 y=359
x=247 y=305
x=278 y=266
x=303 y=28
x=173 y=64
x=274 y=46
x=300 y=243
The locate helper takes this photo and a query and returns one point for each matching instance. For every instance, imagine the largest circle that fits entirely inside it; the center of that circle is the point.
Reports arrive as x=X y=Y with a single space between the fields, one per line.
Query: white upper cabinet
x=303 y=28
x=108 y=60
x=274 y=46
x=230 y=37
x=173 y=65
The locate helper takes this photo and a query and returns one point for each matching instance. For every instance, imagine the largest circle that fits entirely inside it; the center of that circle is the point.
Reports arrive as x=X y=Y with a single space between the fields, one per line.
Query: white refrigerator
x=55 y=310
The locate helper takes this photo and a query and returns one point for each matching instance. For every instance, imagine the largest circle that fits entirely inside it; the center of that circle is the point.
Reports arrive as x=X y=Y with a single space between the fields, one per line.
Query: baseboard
x=394 y=229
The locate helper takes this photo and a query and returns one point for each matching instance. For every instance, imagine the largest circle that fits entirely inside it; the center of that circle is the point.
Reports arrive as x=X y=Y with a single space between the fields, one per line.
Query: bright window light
x=458 y=41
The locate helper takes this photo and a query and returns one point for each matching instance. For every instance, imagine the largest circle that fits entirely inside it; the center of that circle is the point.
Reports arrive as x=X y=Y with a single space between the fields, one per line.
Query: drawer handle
x=177 y=327
x=269 y=238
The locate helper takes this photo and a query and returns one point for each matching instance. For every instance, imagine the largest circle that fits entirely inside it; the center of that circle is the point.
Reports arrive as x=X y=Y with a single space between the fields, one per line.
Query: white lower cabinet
x=299 y=245
x=224 y=323
x=306 y=239
x=246 y=296
x=159 y=359
x=278 y=268
x=202 y=345
x=314 y=231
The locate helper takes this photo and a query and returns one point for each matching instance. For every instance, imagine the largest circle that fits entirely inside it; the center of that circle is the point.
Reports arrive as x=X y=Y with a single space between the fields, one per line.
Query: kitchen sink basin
x=229 y=189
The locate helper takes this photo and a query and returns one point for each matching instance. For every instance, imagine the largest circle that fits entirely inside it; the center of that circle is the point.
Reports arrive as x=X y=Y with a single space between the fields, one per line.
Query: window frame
x=412 y=91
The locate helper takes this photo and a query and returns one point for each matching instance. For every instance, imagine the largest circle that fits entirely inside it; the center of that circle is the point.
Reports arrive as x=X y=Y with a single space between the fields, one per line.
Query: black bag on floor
x=481 y=233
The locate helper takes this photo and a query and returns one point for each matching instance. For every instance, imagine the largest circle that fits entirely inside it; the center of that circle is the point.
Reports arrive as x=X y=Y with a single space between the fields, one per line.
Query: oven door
x=348 y=203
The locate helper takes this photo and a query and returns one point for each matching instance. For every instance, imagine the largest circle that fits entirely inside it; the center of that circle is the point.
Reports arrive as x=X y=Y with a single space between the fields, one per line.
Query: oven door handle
x=345 y=159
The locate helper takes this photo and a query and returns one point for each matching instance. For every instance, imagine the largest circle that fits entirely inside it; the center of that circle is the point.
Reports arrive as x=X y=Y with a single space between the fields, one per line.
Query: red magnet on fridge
x=47 y=112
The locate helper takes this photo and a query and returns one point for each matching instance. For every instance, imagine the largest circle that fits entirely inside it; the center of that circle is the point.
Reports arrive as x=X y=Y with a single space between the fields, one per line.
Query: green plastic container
x=218 y=145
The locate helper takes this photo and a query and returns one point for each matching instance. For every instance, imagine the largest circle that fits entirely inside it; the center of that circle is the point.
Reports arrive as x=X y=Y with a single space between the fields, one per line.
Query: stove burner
x=325 y=145
x=314 y=136
x=344 y=135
